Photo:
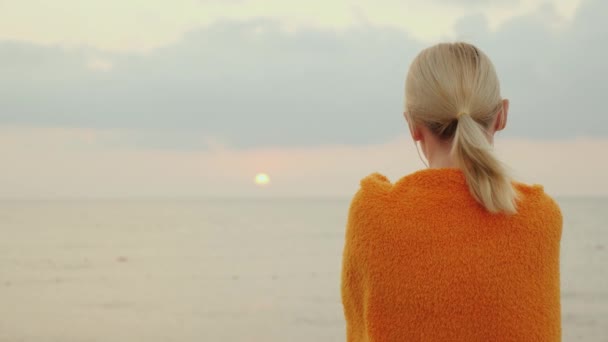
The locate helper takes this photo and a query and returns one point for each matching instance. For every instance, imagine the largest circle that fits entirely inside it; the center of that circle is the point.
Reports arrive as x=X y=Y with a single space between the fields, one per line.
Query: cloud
x=480 y=2
x=98 y=64
x=552 y=70
x=254 y=83
x=119 y=25
x=247 y=83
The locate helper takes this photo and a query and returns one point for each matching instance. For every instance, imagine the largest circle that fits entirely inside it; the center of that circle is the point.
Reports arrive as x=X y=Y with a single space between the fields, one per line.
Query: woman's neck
x=439 y=157
x=442 y=163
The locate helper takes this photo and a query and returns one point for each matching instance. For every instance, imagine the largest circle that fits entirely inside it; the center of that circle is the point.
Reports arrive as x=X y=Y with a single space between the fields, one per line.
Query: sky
x=194 y=98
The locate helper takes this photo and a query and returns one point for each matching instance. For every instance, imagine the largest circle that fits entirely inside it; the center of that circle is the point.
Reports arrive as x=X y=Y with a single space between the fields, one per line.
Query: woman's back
x=425 y=261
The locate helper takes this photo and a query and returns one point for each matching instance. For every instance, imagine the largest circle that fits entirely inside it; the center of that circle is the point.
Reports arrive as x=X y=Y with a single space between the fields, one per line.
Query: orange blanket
x=423 y=261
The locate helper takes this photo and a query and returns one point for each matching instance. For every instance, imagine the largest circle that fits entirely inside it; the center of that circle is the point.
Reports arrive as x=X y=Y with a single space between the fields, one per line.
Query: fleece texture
x=423 y=261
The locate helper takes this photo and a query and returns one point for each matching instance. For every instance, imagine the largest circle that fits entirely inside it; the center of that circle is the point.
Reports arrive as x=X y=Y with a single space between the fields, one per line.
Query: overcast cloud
x=251 y=83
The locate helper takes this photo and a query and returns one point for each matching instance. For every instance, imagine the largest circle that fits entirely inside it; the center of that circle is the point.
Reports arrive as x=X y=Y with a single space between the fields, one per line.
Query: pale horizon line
x=203 y=198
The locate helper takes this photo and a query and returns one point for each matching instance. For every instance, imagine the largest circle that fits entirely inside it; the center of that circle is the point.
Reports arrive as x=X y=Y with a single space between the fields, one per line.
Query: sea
x=221 y=270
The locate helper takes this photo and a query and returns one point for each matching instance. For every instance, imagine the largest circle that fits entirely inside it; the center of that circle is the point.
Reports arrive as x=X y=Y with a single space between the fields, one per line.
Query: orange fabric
x=423 y=261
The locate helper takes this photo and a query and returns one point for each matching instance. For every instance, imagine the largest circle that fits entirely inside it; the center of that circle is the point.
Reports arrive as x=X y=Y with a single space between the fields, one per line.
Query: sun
x=262 y=179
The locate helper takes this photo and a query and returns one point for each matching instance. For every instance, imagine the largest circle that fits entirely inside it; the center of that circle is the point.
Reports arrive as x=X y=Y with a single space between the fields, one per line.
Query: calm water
x=223 y=270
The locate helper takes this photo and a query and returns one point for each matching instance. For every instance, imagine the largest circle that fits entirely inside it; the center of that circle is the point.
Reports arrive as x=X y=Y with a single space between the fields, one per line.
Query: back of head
x=453 y=89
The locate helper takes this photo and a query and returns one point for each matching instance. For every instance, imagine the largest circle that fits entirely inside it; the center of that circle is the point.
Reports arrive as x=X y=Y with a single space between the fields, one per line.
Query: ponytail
x=448 y=77
x=486 y=176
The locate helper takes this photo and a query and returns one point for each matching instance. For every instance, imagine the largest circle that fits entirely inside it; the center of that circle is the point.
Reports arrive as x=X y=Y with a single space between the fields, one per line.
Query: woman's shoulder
x=535 y=193
x=375 y=183
x=535 y=197
x=427 y=179
x=371 y=187
x=375 y=188
x=376 y=192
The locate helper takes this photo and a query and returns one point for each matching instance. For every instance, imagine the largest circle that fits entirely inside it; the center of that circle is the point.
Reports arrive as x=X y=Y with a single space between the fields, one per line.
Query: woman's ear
x=501 y=120
x=414 y=131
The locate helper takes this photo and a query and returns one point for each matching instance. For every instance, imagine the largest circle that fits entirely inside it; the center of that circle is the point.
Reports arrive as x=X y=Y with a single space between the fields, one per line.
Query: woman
x=458 y=251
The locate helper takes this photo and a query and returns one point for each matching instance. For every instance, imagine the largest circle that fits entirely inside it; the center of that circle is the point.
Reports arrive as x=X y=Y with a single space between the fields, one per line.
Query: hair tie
x=461 y=114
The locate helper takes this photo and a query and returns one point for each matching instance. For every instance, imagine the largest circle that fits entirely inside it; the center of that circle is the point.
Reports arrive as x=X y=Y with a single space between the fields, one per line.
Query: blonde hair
x=453 y=89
